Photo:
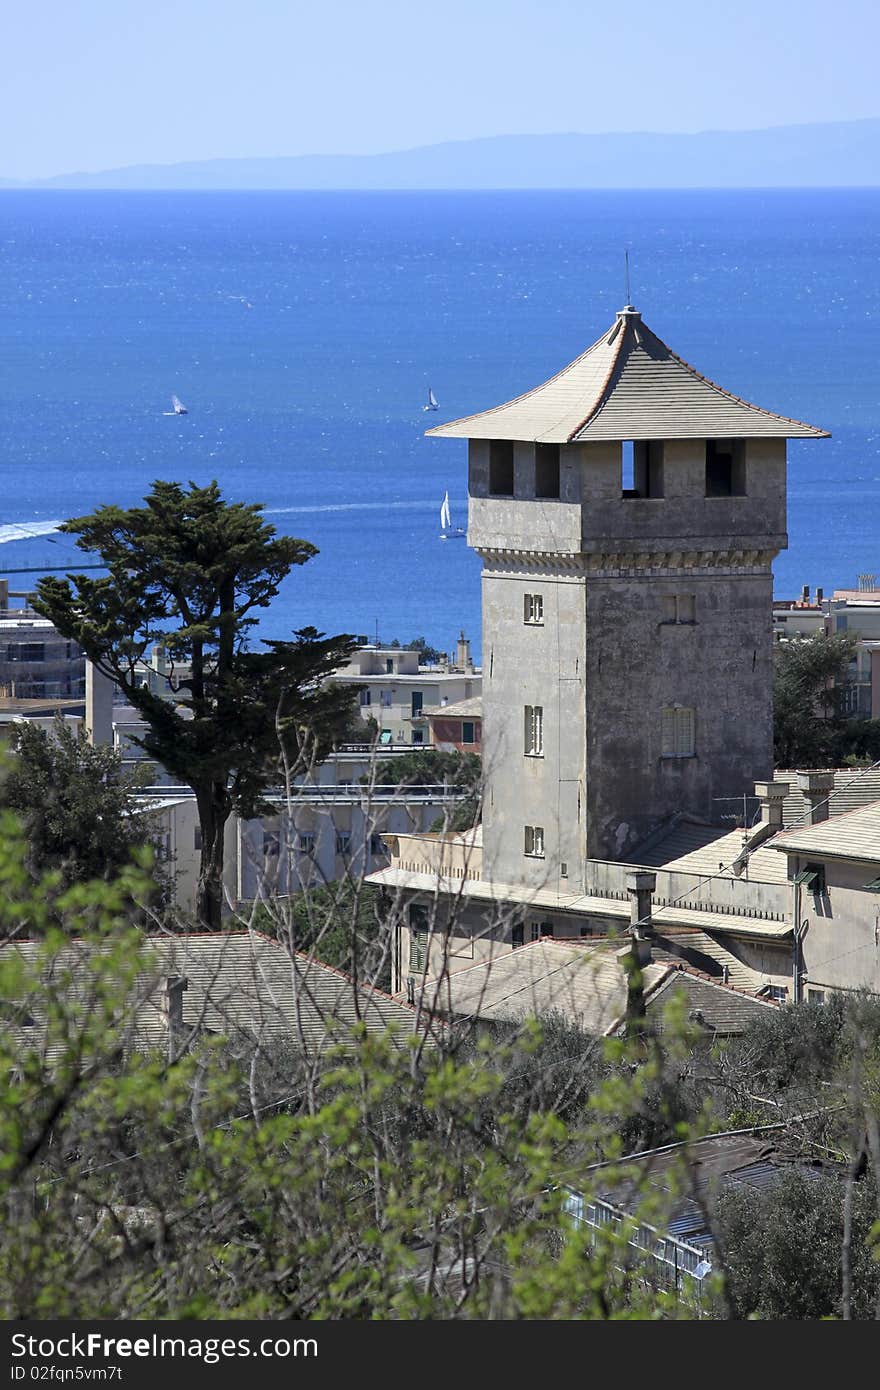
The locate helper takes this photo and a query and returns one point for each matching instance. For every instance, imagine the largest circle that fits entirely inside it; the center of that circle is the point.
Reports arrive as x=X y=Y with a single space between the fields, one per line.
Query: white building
x=399 y=693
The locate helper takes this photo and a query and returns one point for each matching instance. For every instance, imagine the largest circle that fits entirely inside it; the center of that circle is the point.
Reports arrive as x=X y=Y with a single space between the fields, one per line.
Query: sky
x=99 y=84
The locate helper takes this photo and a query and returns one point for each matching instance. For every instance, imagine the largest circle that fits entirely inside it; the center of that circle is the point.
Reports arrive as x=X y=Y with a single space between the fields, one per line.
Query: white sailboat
x=447 y=530
x=178 y=405
x=433 y=403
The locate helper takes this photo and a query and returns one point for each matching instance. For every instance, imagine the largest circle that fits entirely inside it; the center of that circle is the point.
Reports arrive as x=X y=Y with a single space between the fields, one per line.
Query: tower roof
x=628 y=385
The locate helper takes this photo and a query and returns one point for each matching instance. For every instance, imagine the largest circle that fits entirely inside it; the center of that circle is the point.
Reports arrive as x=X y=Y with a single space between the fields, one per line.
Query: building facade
x=399 y=694
x=627 y=513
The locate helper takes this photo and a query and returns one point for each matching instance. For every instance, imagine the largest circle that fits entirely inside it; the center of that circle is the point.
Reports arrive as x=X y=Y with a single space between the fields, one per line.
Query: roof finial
x=628 y=300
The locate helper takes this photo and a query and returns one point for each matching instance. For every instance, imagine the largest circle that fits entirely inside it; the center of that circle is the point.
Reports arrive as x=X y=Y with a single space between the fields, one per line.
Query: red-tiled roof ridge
x=686 y=968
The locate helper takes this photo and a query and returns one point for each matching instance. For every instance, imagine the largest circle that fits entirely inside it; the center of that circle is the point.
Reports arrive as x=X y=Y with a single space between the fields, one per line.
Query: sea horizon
x=303 y=331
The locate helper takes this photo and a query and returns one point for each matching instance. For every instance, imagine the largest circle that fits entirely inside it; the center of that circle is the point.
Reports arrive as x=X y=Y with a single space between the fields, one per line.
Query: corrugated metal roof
x=627 y=385
x=853 y=835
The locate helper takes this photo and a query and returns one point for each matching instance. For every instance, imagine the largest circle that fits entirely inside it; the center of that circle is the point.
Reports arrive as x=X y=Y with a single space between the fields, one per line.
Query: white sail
x=179 y=407
x=445 y=518
x=432 y=399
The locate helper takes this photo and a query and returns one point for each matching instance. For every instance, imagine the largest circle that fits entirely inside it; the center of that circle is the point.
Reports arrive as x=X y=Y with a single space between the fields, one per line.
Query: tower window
x=534 y=731
x=677 y=732
x=648 y=468
x=501 y=468
x=547 y=470
x=627 y=469
x=533 y=608
x=679 y=608
x=534 y=841
x=725 y=468
x=467 y=732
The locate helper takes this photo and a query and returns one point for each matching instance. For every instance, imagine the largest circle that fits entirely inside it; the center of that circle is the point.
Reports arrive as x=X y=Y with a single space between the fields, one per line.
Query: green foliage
x=78 y=804
x=189 y=569
x=428 y=655
x=373 y=1180
x=783 y=1246
x=425 y=767
x=341 y=923
x=810 y=677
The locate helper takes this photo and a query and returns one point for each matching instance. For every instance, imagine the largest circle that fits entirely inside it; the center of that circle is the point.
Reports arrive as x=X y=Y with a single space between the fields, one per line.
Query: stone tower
x=627 y=513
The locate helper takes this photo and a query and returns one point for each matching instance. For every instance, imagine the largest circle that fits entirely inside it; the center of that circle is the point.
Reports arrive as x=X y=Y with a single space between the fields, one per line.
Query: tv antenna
x=626 y=269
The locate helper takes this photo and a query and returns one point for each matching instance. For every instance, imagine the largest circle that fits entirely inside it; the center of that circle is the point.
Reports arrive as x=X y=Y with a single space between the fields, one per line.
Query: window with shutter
x=676 y=732
x=534 y=841
x=533 y=608
x=533 y=725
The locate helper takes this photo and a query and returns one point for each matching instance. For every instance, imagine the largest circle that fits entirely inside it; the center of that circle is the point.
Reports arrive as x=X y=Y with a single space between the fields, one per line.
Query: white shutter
x=684 y=733
x=667 y=733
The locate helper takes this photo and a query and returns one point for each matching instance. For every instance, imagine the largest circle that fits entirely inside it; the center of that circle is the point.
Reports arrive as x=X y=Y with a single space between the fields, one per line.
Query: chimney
x=817 y=785
x=805 y=594
x=820 y=595
x=640 y=884
x=171 y=1006
x=463 y=653
x=771 y=795
x=99 y=706
x=637 y=954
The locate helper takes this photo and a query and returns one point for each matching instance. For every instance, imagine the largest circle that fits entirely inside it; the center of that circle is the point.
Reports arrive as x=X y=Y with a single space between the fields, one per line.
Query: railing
x=674 y=1264
x=705 y=892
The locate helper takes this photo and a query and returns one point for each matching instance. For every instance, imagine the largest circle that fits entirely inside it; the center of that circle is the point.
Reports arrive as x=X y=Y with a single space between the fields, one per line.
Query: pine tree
x=189 y=569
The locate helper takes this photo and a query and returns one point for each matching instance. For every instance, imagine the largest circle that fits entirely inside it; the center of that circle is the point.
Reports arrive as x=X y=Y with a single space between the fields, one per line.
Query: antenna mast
x=626 y=264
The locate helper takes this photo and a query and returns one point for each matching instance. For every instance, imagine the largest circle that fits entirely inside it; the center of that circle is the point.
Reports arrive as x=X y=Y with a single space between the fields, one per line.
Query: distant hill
x=834 y=154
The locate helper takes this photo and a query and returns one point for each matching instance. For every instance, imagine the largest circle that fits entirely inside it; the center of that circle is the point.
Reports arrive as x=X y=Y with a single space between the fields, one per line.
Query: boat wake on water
x=23 y=531
x=351 y=507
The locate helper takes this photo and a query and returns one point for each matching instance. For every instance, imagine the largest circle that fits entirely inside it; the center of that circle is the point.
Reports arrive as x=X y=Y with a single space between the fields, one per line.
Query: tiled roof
x=726 y=1009
x=701 y=849
x=701 y=943
x=853 y=787
x=462 y=709
x=853 y=835
x=239 y=984
x=628 y=385
x=587 y=984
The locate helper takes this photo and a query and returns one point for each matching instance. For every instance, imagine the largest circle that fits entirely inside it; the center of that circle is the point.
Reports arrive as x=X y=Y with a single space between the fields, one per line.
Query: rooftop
x=853 y=835
x=239 y=984
x=628 y=385
x=587 y=984
x=461 y=709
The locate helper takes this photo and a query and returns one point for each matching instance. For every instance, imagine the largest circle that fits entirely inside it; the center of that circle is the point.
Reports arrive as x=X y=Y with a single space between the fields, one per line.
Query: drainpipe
x=800 y=931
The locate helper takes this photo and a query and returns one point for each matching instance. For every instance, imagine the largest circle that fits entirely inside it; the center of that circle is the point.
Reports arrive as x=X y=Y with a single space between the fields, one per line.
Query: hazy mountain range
x=832 y=154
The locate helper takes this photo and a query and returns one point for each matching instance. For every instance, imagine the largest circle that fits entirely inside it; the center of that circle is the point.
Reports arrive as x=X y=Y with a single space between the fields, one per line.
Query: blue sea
x=303 y=330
